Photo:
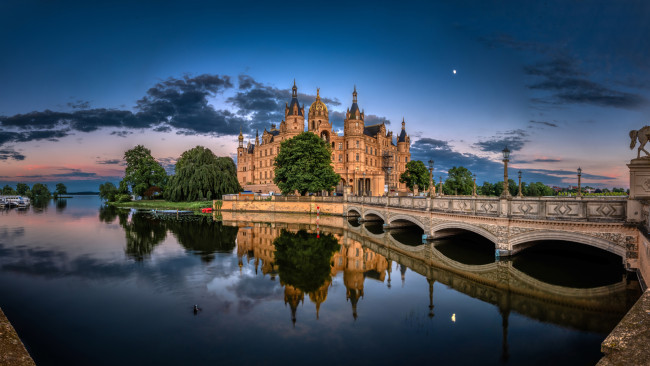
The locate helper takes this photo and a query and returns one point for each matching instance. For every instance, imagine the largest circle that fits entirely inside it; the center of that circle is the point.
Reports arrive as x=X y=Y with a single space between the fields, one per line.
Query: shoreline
x=12 y=349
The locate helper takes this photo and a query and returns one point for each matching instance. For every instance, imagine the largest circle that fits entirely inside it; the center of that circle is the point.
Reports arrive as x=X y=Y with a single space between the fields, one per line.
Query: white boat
x=18 y=201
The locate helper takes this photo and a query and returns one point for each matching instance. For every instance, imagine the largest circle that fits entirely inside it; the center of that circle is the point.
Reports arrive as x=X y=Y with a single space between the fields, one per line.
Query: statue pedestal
x=639 y=178
x=639 y=189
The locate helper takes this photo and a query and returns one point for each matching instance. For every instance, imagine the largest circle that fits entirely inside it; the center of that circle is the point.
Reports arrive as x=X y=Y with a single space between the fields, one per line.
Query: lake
x=86 y=284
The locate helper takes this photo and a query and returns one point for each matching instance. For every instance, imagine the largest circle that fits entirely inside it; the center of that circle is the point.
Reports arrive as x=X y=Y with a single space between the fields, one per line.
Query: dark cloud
x=51 y=135
x=569 y=84
x=514 y=140
x=110 y=161
x=162 y=129
x=121 y=133
x=79 y=104
x=547 y=160
x=8 y=153
x=549 y=124
x=445 y=157
x=264 y=104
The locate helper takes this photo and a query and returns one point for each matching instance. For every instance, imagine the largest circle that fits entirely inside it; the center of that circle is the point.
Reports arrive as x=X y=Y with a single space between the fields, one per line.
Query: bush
x=123 y=198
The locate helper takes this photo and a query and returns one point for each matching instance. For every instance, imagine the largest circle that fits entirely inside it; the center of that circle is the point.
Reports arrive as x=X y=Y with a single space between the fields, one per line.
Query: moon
x=454 y=72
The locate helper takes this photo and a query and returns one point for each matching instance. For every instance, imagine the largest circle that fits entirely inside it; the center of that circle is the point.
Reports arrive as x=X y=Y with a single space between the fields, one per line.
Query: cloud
x=569 y=85
x=547 y=160
x=122 y=133
x=180 y=103
x=110 y=161
x=79 y=104
x=549 y=124
x=514 y=140
x=262 y=105
x=169 y=164
x=9 y=153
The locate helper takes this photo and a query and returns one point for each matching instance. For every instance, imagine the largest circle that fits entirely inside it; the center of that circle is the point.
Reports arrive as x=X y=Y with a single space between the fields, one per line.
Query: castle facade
x=368 y=158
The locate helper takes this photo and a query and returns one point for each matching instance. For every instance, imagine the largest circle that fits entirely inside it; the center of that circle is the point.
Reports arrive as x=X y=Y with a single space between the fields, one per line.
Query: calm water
x=89 y=285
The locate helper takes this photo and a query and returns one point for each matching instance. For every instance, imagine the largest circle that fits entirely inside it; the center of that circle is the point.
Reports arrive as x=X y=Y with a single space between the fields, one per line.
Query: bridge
x=511 y=224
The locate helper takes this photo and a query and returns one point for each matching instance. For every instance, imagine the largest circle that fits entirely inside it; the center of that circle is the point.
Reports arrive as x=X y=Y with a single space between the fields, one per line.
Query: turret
x=353 y=123
x=241 y=138
x=294 y=114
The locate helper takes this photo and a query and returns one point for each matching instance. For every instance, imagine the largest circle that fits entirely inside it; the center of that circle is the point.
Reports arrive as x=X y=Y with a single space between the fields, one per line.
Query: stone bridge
x=513 y=223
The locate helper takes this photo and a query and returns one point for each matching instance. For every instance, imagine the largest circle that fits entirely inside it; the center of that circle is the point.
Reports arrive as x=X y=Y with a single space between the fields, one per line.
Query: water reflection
x=61 y=204
x=143 y=234
x=204 y=236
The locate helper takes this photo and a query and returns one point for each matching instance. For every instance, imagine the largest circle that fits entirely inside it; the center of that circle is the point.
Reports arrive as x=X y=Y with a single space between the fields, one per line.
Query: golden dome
x=318 y=108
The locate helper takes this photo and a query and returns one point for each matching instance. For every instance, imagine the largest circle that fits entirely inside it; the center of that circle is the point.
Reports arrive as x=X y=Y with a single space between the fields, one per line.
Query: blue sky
x=560 y=82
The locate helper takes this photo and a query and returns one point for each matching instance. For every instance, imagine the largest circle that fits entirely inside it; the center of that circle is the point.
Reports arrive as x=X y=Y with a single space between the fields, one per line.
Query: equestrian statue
x=642 y=136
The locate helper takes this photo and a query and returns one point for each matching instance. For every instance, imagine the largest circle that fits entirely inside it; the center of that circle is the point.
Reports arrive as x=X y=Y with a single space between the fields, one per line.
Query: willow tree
x=304 y=165
x=200 y=175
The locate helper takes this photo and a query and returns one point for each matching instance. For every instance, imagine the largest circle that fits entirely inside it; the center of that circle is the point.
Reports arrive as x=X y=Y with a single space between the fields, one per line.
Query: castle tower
x=294 y=114
x=353 y=123
x=318 y=120
x=403 y=152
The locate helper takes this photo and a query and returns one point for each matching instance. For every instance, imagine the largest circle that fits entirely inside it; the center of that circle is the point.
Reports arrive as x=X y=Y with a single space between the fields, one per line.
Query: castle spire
x=403 y=124
x=354 y=95
x=241 y=137
x=294 y=90
x=257 y=137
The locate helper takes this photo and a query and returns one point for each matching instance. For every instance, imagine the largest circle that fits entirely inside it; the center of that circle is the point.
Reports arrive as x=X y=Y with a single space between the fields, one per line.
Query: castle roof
x=294 y=101
x=402 y=135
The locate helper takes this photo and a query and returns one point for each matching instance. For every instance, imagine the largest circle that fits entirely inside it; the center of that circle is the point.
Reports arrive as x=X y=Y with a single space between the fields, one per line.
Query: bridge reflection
x=365 y=253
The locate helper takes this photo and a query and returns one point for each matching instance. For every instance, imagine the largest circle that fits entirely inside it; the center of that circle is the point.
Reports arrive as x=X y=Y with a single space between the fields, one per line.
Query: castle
x=366 y=157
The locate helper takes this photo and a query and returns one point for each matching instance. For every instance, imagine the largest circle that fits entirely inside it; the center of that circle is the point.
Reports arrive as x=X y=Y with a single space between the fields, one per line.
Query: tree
x=487 y=189
x=61 y=188
x=40 y=192
x=459 y=181
x=108 y=191
x=22 y=189
x=142 y=170
x=8 y=190
x=304 y=165
x=303 y=258
x=200 y=175
x=415 y=173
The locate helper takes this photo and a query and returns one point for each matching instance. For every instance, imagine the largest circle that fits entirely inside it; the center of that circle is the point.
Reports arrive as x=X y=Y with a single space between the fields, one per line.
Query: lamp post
x=441 y=192
x=389 y=169
x=519 y=194
x=364 y=184
x=579 y=181
x=474 y=190
x=431 y=187
x=506 y=159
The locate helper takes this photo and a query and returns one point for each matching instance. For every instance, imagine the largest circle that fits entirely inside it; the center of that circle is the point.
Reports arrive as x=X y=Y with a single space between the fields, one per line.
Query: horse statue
x=642 y=136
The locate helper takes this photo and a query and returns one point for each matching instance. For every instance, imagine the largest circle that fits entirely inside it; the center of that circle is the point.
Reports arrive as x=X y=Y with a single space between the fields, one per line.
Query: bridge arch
x=357 y=212
x=467 y=227
x=407 y=218
x=523 y=241
x=368 y=214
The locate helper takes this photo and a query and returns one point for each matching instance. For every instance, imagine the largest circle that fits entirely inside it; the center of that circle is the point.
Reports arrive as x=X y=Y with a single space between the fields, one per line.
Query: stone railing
x=538 y=208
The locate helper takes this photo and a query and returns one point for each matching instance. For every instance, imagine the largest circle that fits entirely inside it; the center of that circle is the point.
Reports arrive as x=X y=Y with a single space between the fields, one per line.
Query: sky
x=561 y=83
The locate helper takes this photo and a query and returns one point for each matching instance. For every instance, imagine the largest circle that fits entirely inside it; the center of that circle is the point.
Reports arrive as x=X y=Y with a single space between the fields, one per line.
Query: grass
x=164 y=205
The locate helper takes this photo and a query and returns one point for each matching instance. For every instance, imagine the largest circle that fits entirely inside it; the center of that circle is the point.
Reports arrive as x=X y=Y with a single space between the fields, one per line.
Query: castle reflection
x=258 y=243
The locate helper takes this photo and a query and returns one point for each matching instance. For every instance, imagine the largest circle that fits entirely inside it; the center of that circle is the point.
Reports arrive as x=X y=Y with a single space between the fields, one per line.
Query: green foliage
x=200 y=175
x=40 y=192
x=61 y=188
x=123 y=197
x=304 y=165
x=22 y=189
x=204 y=236
x=459 y=181
x=487 y=189
x=415 y=173
x=537 y=190
x=303 y=259
x=8 y=190
x=167 y=205
x=108 y=191
x=142 y=171
x=143 y=234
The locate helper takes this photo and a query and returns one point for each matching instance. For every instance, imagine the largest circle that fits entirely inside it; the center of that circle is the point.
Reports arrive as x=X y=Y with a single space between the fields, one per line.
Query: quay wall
x=12 y=350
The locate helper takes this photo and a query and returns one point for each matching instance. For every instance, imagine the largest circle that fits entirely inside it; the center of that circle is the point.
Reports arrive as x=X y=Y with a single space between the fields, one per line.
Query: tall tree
x=415 y=173
x=142 y=170
x=8 y=190
x=108 y=191
x=304 y=165
x=22 y=189
x=459 y=181
x=61 y=188
x=40 y=192
x=200 y=175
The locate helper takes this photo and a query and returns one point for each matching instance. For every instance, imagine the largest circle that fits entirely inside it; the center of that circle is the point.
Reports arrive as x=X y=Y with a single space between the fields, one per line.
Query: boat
x=15 y=201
